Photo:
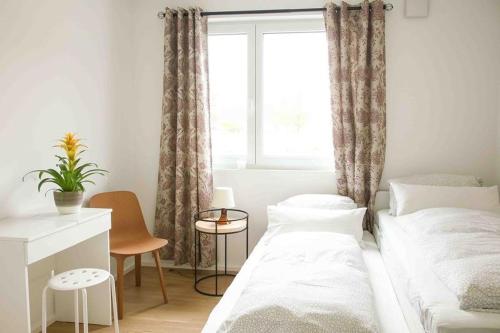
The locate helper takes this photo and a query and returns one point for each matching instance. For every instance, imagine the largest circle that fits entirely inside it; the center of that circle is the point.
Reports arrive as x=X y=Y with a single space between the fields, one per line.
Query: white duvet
x=462 y=247
x=306 y=282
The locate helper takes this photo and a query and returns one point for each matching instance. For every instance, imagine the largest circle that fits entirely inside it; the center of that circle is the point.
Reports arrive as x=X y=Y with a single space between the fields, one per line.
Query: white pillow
x=287 y=219
x=411 y=198
x=430 y=179
x=323 y=201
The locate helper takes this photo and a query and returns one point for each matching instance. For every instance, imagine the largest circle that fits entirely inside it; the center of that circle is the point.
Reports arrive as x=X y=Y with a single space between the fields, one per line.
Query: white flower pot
x=68 y=202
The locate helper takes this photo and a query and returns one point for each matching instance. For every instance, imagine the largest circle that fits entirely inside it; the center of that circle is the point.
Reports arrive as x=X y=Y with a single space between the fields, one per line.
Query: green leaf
x=61 y=158
x=46 y=180
x=68 y=176
x=34 y=171
x=86 y=165
x=91 y=174
x=51 y=189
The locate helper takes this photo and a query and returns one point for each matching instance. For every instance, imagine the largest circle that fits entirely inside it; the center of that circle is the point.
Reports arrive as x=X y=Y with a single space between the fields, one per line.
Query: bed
x=427 y=303
x=389 y=316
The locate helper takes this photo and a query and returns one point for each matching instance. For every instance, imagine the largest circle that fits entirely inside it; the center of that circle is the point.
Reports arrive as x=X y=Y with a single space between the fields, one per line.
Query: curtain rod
x=387 y=7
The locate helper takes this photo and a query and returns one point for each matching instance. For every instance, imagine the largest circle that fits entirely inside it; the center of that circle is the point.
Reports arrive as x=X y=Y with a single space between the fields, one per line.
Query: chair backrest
x=127 y=221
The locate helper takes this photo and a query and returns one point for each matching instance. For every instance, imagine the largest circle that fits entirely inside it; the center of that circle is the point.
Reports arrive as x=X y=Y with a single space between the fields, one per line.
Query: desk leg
x=120 y=283
x=92 y=253
x=14 y=289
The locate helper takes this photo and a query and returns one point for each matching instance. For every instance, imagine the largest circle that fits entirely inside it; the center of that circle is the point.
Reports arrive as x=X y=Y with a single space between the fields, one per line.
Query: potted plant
x=69 y=176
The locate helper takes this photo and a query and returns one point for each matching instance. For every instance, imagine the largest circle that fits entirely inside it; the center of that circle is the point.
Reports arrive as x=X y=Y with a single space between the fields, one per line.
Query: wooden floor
x=186 y=311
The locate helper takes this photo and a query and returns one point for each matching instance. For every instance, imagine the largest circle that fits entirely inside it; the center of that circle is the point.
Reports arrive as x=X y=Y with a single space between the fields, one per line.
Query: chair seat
x=78 y=279
x=137 y=246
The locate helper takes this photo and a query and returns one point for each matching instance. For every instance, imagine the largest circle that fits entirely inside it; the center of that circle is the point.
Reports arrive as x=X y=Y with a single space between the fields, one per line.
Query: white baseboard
x=37 y=326
x=170 y=264
x=149 y=262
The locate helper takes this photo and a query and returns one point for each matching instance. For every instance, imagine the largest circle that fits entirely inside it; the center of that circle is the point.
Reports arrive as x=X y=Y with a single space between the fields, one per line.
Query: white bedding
x=432 y=303
x=387 y=310
x=306 y=282
x=462 y=247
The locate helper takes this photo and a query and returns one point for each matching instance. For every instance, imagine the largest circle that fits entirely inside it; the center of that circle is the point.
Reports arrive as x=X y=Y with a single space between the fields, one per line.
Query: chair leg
x=156 y=254
x=85 y=311
x=44 y=310
x=113 y=299
x=77 y=324
x=137 y=270
x=119 y=284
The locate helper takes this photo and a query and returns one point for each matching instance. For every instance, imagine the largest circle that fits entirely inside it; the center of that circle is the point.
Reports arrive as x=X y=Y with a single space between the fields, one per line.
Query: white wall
x=95 y=67
x=442 y=85
x=64 y=66
x=443 y=73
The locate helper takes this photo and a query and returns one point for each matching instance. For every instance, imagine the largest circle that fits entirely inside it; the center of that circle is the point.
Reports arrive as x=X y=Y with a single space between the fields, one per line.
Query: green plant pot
x=68 y=202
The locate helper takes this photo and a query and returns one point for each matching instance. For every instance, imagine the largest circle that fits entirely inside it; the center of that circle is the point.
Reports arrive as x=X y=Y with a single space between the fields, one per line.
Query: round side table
x=206 y=222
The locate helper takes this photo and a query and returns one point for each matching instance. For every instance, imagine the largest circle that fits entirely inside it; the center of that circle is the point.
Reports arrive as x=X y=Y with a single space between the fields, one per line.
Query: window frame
x=255 y=30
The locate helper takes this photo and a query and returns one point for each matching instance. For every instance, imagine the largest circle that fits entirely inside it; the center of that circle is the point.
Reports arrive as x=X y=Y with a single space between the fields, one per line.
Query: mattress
x=389 y=314
x=423 y=297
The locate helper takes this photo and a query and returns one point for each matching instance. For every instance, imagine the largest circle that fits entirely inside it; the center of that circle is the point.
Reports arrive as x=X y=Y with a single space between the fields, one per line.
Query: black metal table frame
x=197 y=248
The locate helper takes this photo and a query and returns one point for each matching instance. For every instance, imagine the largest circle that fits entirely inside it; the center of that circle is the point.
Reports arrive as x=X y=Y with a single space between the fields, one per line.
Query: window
x=269 y=95
x=228 y=96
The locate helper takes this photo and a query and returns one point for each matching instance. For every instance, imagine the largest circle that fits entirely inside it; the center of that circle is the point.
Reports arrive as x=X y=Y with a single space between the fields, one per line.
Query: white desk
x=30 y=247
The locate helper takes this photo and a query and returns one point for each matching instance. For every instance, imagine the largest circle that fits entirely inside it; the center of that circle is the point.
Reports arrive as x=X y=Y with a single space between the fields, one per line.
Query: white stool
x=75 y=280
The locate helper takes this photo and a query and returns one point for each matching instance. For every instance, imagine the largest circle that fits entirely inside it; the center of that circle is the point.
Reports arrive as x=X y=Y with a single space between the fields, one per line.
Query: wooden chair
x=129 y=237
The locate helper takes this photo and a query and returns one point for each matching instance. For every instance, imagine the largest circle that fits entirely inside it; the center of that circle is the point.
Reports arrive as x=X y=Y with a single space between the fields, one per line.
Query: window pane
x=228 y=77
x=296 y=116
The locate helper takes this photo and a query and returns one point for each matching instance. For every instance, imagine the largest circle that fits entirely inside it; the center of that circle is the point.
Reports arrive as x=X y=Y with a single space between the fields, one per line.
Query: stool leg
x=85 y=313
x=77 y=324
x=113 y=299
x=44 y=310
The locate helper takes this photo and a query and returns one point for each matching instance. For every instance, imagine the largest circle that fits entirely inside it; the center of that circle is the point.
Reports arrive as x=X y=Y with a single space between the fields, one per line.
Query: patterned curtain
x=356 y=46
x=185 y=170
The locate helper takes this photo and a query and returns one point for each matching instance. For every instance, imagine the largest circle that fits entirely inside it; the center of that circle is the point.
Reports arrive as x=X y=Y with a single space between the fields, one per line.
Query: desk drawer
x=59 y=241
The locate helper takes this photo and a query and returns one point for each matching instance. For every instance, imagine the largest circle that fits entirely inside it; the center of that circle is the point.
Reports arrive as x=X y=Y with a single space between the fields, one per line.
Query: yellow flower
x=70 y=143
x=71 y=154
